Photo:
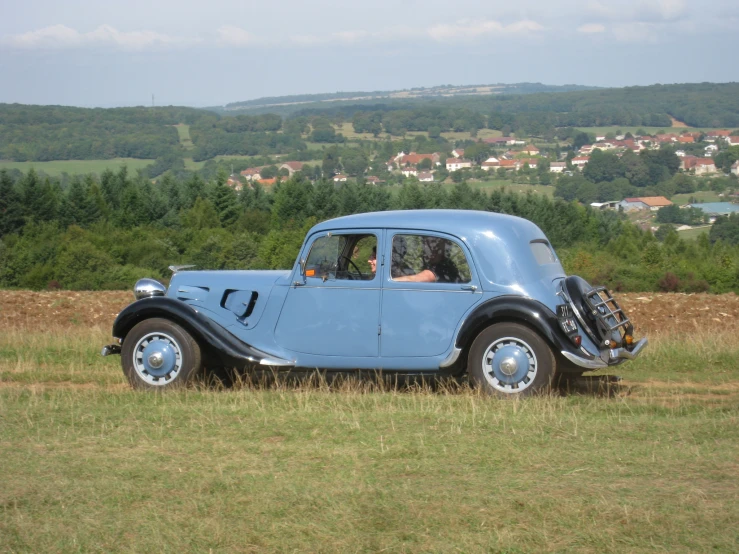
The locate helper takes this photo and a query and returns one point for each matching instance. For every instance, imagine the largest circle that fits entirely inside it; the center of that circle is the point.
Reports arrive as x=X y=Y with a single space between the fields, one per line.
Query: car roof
x=455 y=222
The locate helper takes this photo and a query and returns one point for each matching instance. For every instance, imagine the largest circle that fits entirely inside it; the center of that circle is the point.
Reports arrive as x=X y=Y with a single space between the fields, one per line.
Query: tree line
x=105 y=233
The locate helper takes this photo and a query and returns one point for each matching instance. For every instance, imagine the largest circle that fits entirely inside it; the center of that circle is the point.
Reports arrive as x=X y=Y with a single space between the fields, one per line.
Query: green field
x=692 y=234
x=77 y=167
x=89 y=465
x=347 y=129
x=700 y=196
x=184 y=133
x=648 y=130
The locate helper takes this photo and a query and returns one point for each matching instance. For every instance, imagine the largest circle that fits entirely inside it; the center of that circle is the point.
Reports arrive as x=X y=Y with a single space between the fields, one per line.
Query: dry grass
x=362 y=465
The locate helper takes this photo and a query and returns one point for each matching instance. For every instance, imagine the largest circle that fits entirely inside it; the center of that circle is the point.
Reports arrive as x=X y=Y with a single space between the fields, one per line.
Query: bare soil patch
x=678 y=123
x=650 y=312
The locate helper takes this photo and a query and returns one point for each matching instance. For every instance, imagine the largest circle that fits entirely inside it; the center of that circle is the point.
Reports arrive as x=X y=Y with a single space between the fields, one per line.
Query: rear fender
x=518 y=309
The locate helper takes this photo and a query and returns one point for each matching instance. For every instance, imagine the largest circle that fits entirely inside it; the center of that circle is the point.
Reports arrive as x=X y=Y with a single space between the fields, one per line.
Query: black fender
x=203 y=329
x=516 y=309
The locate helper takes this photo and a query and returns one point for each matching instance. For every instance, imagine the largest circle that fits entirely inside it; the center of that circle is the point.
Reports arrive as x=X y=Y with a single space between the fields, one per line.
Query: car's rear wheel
x=159 y=354
x=510 y=359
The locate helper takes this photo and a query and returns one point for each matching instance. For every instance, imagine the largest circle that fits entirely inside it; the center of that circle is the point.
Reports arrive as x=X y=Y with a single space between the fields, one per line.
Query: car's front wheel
x=158 y=353
x=510 y=359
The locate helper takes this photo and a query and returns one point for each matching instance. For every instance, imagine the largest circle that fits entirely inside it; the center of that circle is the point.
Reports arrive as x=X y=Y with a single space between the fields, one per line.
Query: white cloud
x=234 y=36
x=61 y=36
x=591 y=28
x=470 y=29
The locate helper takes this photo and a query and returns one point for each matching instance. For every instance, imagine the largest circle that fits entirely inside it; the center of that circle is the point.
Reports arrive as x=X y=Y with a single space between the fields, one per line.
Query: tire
x=510 y=359
x=158 y=354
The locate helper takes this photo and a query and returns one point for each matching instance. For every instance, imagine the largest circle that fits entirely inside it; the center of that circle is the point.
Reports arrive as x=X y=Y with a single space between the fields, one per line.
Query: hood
x=223 y=280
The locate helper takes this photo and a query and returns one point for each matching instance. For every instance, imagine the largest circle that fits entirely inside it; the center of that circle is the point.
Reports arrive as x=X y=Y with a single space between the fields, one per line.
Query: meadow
x=647 y=464
x=77 y=167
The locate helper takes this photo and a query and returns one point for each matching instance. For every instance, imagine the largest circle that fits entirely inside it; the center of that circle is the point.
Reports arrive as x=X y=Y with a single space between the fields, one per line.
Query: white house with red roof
x=426 y=177
x=252 y=173
x=557 y=167
x=454 y=164
x=530 y=150
x=580 y=161
x=458 y=153
x=735 y=168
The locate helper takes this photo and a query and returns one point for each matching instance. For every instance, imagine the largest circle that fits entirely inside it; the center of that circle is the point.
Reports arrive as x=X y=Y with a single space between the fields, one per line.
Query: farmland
x=77 y=167
x=91 y=466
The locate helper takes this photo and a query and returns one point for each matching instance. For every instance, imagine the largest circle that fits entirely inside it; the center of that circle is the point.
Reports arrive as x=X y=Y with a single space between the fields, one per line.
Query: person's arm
x=425 y=276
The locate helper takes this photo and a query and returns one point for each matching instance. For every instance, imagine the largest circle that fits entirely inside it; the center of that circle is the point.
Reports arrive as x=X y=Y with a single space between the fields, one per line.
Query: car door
x=419 y=318
x=333 y=308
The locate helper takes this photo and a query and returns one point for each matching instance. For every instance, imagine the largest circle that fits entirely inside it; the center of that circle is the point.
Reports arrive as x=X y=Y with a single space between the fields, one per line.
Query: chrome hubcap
x=157 y=358
x=509 y=365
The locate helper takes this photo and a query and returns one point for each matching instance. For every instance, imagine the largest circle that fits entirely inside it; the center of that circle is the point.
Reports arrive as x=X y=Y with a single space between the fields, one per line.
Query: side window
x=543 y=252
x=412 y=254
x=342 y=257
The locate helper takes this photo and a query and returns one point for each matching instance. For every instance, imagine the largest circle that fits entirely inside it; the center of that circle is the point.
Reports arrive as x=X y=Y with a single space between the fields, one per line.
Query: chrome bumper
x=615 y=355
x=110 y=349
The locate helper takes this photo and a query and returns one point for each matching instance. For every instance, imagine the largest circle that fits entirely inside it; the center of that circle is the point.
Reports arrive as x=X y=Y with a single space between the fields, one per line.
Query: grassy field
x=89 y=465
x=77 y=167
x=184 y=133
x=648 y=130
x=692 y=234
x=347 y=129
x=700 y=196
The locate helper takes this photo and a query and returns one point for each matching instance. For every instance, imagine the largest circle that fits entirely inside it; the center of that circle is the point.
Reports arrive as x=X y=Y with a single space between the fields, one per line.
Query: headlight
x=145 y=288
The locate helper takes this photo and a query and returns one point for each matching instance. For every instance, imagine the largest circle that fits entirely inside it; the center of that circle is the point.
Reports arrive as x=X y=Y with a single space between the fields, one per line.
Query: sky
x=102 y=53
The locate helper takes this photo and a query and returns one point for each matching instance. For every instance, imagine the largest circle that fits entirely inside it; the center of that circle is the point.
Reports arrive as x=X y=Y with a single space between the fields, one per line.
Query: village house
x=652 y=203
x=234 y=182
x=292 y=167
x=611 y=205
x=252 y=174
x=412 y=159
x=531 y=150
x=458 y=153
x=267 y=182
x=699 y=166
x=490 y=163
x=454 y=164
x=339 y=178
x=580 y=161
x=409 y=172
x=426 y=177
x=373 y=180
x=735 y=168
x=732 y=141
x=557 y=167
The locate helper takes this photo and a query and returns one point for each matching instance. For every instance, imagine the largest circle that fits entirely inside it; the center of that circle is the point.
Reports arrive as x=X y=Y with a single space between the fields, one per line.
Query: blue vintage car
x=443 y=292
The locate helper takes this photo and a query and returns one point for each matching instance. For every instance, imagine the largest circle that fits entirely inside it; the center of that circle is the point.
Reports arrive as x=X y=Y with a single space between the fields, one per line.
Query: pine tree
x=11 y=209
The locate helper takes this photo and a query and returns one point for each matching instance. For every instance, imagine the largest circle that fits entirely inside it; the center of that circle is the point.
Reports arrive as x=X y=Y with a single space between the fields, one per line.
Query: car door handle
x=472 y=288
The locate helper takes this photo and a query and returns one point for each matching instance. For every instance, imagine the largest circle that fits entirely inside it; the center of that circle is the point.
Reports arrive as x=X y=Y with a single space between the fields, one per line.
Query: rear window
x=543 y=252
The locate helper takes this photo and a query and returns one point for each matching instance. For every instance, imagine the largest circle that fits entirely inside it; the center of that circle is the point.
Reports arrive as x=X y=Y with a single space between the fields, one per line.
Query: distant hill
x=286 y=105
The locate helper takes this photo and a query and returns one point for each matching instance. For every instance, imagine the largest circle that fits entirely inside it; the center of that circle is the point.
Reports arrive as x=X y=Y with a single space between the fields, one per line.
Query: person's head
x=373 y=260
x=433 y=249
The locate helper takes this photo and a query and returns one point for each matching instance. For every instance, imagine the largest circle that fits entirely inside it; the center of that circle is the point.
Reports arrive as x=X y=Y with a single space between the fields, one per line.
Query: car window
x=342 y=257
x=412 y=254
x=543 y=252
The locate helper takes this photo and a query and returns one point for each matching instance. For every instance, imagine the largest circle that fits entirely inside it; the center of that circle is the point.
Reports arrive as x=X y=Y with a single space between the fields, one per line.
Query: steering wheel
x=359 y=271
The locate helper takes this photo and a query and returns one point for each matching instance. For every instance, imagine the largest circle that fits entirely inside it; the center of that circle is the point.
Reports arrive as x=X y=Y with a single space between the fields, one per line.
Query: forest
x=40 y=133
x=105 y=233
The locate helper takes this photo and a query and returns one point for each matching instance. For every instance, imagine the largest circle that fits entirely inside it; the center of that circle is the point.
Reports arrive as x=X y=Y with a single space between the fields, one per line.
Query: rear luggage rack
x=609 y=316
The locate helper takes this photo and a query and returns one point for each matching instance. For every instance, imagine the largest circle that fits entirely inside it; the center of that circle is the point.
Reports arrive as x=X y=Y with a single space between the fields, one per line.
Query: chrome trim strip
x=595 y=363
x=277 y=362
x=451 y=358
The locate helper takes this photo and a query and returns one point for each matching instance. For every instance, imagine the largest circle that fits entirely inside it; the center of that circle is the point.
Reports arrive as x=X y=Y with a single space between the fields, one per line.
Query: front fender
x=204 y=330
x=517 y=309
